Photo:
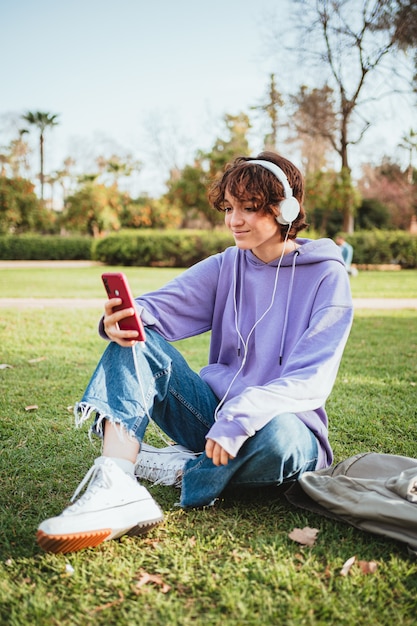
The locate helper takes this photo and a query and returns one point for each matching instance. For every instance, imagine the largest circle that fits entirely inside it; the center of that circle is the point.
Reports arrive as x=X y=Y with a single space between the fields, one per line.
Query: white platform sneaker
x=113 y=504
x=162 y=466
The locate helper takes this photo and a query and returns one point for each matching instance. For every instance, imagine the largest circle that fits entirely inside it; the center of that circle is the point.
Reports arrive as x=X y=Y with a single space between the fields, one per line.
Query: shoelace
x=97 y=477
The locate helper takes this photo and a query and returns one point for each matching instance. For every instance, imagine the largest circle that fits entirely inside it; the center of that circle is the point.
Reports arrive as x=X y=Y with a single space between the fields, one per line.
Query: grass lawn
x=86 y=282
x=231 y=564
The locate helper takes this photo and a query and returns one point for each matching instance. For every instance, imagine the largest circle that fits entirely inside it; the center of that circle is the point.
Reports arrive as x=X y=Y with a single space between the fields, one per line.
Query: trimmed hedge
x=379 y=247
x=164 y=248
x=182 y=248
x=44 y=248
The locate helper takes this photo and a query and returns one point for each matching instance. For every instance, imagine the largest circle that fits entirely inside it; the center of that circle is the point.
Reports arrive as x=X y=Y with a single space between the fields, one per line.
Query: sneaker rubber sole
x=61 y=544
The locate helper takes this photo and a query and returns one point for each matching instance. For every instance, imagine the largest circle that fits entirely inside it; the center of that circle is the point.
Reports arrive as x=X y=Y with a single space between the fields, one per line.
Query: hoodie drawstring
x=287 y=307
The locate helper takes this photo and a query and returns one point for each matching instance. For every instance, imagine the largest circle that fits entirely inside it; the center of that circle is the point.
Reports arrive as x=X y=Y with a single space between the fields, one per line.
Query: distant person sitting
x=347 y=253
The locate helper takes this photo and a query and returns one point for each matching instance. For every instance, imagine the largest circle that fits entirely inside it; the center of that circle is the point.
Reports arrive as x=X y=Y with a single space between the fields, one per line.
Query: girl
x=279 y=310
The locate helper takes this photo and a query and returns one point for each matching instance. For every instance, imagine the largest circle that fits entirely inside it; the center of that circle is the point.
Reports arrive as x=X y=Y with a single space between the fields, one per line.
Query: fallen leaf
x=347 y=565
x=306 y=536
x=155 y=579
x=3 y=366
x=31 y=407
x=40 y=358
x=368 y=567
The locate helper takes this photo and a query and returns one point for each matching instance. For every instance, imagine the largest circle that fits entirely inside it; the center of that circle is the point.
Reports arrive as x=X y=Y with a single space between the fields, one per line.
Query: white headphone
x=289 y=208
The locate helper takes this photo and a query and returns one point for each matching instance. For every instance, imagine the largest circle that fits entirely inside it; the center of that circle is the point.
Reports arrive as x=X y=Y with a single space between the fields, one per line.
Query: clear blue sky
x=119 y=71
x=114 y=68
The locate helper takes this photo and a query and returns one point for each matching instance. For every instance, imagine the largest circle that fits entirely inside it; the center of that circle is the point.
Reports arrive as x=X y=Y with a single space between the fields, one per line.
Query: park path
x=91 y=303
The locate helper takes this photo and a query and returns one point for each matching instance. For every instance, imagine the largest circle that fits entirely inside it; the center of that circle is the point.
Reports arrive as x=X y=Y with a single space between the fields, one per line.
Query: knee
x=286 y=436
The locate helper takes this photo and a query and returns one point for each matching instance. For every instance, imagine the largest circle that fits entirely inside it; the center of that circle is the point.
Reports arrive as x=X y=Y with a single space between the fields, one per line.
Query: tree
x=94 y=209
x=314 y=122
x=145 y=212
x=271 y=107
x=404 y=13
x=326 y=198
x=65 y=177
x=387 y=183
x=14 y=156
x=42 y=121
x=225 y=150
x=409 y=143
x=373 y=214
x=20 y=209
x=350 y=39
x=117 y=167
x=188 y=190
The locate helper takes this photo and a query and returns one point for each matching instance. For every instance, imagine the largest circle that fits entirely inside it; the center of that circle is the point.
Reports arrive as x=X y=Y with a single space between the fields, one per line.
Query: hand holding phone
x=116 y=286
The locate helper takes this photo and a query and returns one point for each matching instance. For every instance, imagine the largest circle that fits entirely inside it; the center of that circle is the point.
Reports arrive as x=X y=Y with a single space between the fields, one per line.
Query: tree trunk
x=41 y=175
x=348 y=220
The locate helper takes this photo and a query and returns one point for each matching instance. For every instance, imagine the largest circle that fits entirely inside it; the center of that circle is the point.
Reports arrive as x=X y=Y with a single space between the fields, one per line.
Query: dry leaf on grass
x=37 y=360
x=31 y=407
x=347 y=565
x=366 y=567
x=3 y=366
x=305 y=536
x=155 y=579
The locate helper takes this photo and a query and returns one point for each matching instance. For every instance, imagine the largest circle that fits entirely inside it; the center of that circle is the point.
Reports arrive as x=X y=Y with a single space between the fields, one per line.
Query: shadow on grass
x=263 y=515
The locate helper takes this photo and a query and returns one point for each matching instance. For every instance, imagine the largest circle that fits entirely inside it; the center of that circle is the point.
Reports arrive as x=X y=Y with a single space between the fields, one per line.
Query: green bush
x=44 y=248
x=165 y=248
x=182 y=248
x=394 y=247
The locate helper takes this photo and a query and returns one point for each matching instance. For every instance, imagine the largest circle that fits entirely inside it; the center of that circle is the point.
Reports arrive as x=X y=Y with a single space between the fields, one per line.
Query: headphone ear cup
x=289 y=209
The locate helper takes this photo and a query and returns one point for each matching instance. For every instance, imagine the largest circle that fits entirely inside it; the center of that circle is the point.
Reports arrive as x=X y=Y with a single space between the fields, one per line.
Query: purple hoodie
x=293 y=353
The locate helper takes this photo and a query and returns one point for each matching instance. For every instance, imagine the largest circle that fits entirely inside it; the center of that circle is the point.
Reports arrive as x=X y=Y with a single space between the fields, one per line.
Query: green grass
x=229 y=564
x=85 y=282
x=391 y=284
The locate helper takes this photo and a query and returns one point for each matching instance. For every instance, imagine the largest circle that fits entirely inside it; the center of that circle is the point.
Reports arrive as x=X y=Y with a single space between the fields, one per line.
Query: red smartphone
x=117 y=286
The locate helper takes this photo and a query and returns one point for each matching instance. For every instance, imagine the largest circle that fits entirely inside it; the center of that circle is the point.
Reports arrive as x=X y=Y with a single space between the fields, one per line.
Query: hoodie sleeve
x=184 y=307
x=305 y=383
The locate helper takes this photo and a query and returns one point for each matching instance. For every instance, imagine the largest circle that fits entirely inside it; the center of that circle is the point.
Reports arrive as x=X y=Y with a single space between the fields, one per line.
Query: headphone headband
x=278 y=172
x=289 y=208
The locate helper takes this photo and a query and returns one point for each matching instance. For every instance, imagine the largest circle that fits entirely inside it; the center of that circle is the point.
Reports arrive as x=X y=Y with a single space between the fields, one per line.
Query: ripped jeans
x=183 y=406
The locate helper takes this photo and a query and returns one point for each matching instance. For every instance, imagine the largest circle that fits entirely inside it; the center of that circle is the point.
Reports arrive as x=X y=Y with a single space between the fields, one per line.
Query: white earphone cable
x=252 y=330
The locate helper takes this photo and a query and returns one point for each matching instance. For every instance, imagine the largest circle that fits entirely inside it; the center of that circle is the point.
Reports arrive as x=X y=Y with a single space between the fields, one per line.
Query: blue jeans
x=183 y=406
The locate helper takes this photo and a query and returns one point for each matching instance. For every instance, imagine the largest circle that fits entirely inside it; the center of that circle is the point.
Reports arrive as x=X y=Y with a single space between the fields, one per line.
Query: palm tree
x=42 y=121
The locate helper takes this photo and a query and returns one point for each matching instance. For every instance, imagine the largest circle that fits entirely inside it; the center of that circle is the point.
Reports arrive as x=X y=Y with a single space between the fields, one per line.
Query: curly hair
x=245 y=181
